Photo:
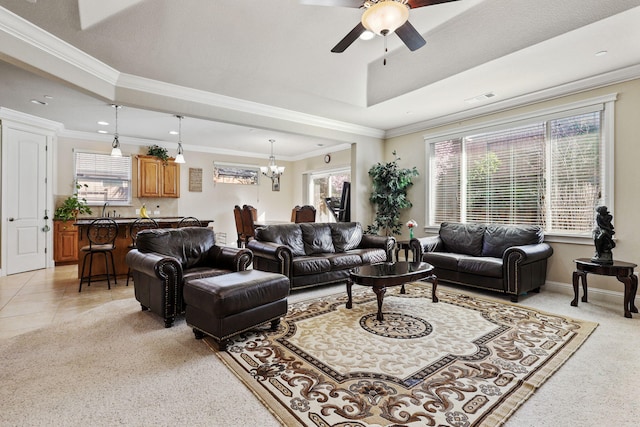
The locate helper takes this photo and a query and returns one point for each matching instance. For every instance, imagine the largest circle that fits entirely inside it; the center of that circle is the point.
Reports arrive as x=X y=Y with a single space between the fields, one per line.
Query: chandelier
x=179 y=154
x=115 y=145
x=272 y=171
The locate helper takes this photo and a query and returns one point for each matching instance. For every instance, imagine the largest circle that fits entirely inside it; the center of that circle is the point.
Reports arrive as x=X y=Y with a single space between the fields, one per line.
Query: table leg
x=402 y=290
x=634 y=291
x=434 y=285
x=577 y=275
x=628 y=286
x=380 y=291
x=349 y=284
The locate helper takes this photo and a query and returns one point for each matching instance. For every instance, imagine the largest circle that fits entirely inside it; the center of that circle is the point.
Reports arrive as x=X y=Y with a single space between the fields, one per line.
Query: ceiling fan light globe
x=385 y=17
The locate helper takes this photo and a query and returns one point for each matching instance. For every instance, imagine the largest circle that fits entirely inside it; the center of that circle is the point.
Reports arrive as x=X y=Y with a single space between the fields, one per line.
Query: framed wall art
x=230 y=173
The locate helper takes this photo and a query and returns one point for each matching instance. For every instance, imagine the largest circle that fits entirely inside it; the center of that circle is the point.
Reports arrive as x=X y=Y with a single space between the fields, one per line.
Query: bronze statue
x=603 y=236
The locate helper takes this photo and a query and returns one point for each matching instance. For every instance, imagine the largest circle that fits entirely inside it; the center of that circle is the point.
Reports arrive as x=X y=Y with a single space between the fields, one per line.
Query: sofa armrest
x=387 y=243
x=420 y=245
x=155 y=265
x=271 y=253
x=527 y=253
x=234 y=259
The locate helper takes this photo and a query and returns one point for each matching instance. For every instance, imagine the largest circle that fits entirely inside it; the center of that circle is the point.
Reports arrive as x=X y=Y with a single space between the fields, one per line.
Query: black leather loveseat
x=312 y=254
x=505 y=258
x=165 y=259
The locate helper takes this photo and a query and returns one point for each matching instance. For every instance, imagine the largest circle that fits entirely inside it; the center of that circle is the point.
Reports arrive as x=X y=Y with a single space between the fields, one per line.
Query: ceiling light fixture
x=272 y=171
x=180 y=154
x=385 y=16
x=115 y=145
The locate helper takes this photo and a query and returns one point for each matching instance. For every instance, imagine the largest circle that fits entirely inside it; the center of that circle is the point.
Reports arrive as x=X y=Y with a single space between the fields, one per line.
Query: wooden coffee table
x=381 y=276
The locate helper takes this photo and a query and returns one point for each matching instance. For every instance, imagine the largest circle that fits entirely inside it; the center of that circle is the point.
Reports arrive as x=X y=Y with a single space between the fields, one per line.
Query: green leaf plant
x=389 y=195
x=72 y=206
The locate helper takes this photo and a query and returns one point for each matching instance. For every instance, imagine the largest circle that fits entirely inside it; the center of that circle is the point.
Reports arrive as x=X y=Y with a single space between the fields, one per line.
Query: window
x=107 y=179
x=326 y=184
x=547 y=171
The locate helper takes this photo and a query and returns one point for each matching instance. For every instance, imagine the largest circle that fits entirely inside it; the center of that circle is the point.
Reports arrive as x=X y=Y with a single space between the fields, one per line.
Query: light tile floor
x=39 y=298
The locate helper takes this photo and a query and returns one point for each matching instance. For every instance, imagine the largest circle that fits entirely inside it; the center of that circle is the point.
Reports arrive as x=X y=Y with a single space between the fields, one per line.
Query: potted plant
x=159 y=152
x=389 y=194
x=72 y=206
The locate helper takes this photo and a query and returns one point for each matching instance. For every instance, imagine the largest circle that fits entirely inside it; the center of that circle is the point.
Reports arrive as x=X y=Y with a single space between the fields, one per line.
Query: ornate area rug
x=464 y=361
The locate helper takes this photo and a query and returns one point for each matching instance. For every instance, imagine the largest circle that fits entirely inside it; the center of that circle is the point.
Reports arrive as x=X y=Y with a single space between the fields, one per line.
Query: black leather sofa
x=167 y=258
x=504 y=258
x=311 y=254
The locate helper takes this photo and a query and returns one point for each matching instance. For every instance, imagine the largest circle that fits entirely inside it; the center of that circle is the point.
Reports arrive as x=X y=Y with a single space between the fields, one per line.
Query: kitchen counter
x=123 y=241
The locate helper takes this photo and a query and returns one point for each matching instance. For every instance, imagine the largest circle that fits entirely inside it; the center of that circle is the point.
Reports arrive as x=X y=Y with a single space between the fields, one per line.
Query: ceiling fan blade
x=410 y=36
x=349 y=38
x=339 y=3
x=421 y=3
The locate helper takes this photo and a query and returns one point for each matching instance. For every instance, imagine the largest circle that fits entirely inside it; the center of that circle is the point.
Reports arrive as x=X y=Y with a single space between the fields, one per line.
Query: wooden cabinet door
x=171 y=180
x=65 y=242
x=149 y=175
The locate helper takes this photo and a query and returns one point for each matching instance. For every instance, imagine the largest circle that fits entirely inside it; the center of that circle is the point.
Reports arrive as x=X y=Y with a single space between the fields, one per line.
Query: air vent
x=480 y=98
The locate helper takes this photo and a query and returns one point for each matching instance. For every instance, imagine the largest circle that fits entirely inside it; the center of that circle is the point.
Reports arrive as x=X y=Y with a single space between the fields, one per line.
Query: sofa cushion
x=497 y=238
x=190 y=245
x=289 y=235
x=462 y=238
x=305 y=265
x=482 y=266
x=370 y=256
x=346 y=235
x=317 y=238
x=341 y=261
x=446 y=260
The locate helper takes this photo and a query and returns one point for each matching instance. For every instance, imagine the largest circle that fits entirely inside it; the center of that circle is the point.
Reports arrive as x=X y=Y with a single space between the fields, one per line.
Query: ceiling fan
x=381 y=17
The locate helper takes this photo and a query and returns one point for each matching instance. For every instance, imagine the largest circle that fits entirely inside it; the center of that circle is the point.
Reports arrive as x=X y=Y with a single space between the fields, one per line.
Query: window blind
x=103 y=178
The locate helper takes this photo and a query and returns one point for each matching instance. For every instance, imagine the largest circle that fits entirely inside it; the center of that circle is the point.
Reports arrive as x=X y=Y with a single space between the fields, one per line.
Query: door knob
x=11 y=219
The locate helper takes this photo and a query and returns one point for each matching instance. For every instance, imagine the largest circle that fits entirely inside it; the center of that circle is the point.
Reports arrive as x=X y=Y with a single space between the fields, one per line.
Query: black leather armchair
x=165 y=259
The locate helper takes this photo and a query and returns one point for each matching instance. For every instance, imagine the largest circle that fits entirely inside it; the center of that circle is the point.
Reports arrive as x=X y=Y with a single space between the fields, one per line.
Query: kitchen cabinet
x=156 y=179
x=65 y=242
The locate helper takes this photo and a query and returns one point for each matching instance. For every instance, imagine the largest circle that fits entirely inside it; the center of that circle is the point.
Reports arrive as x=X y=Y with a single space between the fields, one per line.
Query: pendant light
x=180 y=155
x=115 y=145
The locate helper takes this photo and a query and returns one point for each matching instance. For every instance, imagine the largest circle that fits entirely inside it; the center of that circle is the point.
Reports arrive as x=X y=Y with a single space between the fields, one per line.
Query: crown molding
x=142 y=142
x=155 y=87
x=589 y=83
x=28 y=119
x=50 y=45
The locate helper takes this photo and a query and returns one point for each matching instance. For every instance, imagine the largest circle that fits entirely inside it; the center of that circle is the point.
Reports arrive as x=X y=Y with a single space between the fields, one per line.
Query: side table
x=623 y=272
x=403 y=244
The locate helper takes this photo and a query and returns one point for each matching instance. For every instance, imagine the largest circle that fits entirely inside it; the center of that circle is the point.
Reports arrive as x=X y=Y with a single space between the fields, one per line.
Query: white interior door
x=25 y=203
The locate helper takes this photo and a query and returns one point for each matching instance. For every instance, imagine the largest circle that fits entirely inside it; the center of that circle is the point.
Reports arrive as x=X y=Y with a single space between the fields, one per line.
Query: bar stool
x=189 y=221
x=137 y=226
x=101 y=233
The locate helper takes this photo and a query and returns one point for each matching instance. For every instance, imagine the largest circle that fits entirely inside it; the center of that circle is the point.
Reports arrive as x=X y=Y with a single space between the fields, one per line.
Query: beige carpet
x=464 y=361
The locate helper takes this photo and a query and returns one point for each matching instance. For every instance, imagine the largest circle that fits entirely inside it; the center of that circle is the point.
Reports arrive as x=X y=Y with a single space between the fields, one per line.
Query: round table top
x=390 y=273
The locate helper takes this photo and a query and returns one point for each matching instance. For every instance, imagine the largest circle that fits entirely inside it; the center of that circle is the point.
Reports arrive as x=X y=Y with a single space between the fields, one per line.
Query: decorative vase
x=411 y=233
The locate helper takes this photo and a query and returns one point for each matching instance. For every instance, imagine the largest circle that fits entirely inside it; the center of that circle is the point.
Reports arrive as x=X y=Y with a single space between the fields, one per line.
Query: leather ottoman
x=226 y=305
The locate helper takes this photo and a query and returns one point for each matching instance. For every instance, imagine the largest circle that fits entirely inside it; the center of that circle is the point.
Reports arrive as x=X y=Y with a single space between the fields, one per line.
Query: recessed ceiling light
x=173 y=132
x=102 y=131
x=103 y=123
x=601 y=53
x=48 y=97
x=367 y=35
x=319 y=145
x=35 y=101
